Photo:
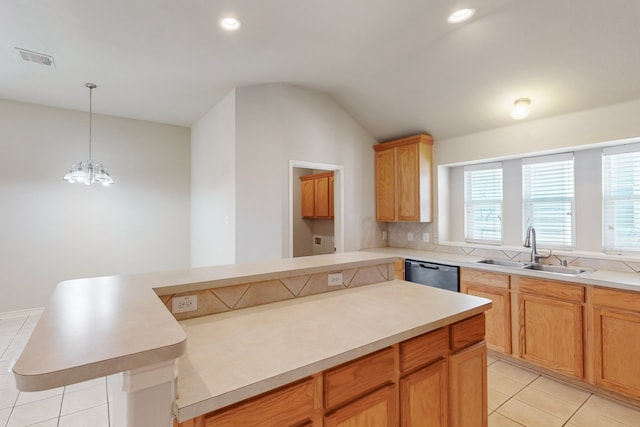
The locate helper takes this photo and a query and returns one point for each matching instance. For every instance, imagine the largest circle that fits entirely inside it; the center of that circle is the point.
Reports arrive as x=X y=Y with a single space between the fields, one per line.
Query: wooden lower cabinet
x=437 y=379
x=398 y=269
x=468 y=387
x=616 y=318
x=424 y=396
x=496 y=287
x=376 y=409
x=551 y=325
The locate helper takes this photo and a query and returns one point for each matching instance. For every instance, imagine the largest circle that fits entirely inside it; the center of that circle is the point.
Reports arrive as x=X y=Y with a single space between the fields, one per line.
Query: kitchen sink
x=555 y=269
x=558 y=269
x=504 y=263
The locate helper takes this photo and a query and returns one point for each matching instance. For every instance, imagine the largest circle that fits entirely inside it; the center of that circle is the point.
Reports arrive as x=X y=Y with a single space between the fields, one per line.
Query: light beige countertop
x=599 y=277
x=239 y=354
x=100 y=326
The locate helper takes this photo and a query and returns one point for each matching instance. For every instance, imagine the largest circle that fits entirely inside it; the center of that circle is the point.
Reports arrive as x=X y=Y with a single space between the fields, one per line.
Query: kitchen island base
x=435 y=379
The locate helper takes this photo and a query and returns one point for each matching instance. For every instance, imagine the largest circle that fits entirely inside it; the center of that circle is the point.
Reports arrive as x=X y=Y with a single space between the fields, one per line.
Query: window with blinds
x=621 y=198
x=549 y=200
x=483 y=203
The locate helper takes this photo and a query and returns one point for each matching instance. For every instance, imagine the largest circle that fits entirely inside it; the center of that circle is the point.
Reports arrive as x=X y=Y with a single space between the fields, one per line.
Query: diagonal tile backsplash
x=218 y=300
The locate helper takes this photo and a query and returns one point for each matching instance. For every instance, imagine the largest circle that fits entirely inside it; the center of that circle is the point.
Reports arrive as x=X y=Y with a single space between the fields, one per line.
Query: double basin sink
x=556 y=269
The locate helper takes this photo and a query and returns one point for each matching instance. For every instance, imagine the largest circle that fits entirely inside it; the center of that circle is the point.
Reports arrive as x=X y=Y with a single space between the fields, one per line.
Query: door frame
x=338 y=200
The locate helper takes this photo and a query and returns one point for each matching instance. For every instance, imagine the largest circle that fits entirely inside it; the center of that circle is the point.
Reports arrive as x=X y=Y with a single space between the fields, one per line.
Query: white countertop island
x=119 y=325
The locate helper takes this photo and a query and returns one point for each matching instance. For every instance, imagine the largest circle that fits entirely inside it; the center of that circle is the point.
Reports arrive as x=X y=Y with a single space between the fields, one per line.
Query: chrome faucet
x=530 y=242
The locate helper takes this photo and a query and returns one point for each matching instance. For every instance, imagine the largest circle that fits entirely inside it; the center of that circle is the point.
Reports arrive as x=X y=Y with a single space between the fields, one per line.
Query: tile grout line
x=513 y=396
x=14 y=337
x=576 y=411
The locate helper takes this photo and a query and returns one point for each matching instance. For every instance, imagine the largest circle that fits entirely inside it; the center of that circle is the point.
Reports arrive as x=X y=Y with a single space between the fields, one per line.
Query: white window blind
x=548 y=199
x=483 y=203
x=621 y=198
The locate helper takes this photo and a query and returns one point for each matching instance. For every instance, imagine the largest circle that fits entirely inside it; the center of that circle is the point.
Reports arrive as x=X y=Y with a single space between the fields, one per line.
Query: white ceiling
x=396 y=66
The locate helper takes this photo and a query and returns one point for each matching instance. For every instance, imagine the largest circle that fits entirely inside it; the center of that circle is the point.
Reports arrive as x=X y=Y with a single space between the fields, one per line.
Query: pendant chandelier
x=88 y=172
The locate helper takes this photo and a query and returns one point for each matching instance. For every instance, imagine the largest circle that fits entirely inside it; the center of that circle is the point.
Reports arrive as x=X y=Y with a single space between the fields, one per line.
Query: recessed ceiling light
x=461 y=15
x=229 y=24
x=521 y=108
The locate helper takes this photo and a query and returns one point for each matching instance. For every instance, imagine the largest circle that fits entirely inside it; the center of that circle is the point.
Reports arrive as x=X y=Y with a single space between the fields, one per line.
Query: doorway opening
x=315 y=236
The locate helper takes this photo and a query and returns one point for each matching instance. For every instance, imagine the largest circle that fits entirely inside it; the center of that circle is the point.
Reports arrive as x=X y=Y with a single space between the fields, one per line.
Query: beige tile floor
x=517 y=397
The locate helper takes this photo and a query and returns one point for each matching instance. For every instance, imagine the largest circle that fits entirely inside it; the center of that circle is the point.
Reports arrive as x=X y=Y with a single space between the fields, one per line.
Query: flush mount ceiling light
x=521 y=108
x=460 y=15
x=38 y=58
x=88 y=172
x=229 y=24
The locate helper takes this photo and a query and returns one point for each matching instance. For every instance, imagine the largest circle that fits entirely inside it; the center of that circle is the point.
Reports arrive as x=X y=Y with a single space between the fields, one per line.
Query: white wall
x=51 y=230
x=276 y=123
x=213 y=171
x=576 y=131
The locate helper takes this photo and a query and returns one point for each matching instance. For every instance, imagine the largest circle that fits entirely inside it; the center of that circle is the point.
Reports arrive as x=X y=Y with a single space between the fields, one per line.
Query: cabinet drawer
x=426 y=348
x=467 y=332
x=551 y=288
x=355 y=378
x=604 y=297
x=288 y=406
x=478 y=277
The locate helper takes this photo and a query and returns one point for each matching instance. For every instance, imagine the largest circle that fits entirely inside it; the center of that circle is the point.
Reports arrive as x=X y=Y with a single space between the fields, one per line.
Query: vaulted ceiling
x=397 y=67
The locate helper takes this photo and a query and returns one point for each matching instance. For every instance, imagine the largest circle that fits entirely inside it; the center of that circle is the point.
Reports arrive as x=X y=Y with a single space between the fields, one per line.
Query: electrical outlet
x=334 y=279
x=425 y=237
x=384 y=235
x=410 y=236
x=183 y=304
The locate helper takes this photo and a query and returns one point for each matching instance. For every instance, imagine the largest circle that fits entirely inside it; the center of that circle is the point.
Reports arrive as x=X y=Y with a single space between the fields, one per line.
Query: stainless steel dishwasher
x=431 y=274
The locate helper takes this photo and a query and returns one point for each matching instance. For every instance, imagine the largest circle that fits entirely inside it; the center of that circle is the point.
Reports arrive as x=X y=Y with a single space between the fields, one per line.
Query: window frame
x=628 y=155
x=538 y=200
x=469 y=225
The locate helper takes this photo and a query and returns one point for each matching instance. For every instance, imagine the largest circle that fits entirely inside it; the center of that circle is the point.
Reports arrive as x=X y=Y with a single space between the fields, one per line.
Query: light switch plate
x=334 y=279
x=184 y=303
x=410 y=236
x=425 y=237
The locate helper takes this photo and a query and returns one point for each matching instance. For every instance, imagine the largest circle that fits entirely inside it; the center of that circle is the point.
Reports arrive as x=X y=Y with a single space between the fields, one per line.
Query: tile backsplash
x=398 y=233
x=218 y=300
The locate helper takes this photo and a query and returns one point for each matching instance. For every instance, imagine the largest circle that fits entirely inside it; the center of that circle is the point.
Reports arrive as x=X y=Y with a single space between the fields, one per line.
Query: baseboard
x=22 y=313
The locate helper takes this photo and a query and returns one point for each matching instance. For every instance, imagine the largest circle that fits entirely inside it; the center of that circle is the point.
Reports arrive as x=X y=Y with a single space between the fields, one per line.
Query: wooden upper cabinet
x=321 y=197
x=404 y=179
x=385 y=186
x=307 y=189
x=317 y=195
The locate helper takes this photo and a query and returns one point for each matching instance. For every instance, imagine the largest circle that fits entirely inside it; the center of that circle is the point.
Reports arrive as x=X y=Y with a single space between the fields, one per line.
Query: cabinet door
x=498 y=318
x=423 y=397
x=468 y=387
x=617 y=345
x=551 y=334
x=307 y=189
x=408 y=182
x=321 y=197
x=377 y=409
x=385 y=186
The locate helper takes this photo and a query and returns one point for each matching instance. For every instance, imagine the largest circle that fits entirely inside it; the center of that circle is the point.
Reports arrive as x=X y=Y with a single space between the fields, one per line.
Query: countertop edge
x=131 y=298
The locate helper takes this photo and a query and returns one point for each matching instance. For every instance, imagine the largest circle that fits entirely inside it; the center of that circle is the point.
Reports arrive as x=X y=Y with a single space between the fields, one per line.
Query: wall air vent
x=38 y=58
